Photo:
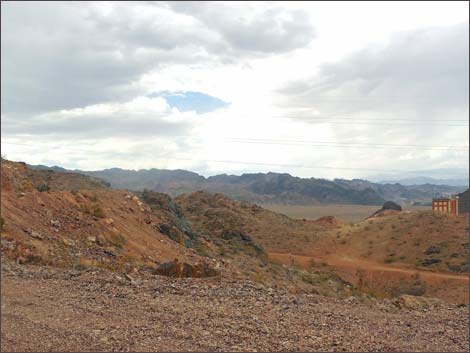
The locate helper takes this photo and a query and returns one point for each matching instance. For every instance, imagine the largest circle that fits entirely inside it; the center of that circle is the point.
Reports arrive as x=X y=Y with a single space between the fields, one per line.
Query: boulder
x=388 y=208
x=412 y=302
x=390 y=205
x=36 y=235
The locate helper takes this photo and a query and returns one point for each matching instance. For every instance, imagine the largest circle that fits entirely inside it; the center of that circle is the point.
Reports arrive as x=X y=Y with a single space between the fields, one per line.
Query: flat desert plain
x=346 y=213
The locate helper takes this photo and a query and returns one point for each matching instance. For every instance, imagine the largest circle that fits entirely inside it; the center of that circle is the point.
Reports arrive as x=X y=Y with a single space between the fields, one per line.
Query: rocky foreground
x=47 y=309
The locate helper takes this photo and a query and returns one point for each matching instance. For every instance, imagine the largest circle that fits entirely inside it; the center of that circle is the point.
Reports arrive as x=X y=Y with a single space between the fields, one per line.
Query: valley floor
x=46 y=309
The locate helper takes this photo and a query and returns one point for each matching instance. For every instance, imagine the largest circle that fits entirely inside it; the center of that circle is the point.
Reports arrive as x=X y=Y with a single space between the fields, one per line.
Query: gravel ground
x=46 y=309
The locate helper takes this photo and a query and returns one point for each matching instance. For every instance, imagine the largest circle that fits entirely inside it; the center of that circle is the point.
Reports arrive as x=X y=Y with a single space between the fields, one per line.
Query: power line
x=292 y=142
x=345 y=144
x=286 y=165
x=362 y=121
x=254 y=163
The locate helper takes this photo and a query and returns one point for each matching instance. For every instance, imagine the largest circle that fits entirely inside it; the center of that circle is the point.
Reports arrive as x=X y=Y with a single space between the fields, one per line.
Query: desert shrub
x=203 y=251
x=308 y=278
x=390 y=259
x=432 y=250
x=85 y=208
x=316 y=278
x=98 y=212
x=415 y=287
x=2 y=224
x=43 y=187
x=93 y=198
x=80 y=267
x=222 y=251
x=118 y=240
x=454 y=267
x=429 y=262
x=465 y=266
x=444 y=244
x=393 y=226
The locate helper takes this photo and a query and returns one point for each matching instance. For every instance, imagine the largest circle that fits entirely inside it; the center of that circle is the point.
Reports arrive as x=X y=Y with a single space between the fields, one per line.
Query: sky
x=314 y=89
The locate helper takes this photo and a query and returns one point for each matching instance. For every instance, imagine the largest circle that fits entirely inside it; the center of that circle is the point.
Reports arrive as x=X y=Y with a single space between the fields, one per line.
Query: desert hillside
x=411 y=248
x=77 y=221
x=98 y=227
x=144 y=259
x=217 y=214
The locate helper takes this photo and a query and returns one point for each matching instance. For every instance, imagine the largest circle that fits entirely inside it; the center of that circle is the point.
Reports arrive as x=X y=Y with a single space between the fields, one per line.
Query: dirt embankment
x=96 y=227
x=386 y=280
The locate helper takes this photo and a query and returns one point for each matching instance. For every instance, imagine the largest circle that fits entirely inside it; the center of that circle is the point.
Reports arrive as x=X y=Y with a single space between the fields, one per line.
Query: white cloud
x=76 y=77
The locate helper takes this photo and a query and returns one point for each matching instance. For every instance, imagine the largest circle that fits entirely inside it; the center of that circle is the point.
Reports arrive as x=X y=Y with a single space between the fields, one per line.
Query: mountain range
x=439 y=176
x=266 y=188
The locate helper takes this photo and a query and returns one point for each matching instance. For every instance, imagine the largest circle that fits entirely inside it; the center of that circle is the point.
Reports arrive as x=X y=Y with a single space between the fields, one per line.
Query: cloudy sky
x=313 y=89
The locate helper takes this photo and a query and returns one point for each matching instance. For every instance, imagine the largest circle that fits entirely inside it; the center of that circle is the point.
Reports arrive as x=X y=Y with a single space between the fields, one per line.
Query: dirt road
x=46 y=309
x=447 y=286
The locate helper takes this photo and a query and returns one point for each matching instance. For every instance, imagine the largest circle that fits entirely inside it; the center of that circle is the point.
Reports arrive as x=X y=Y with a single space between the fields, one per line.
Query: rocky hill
x=67 y=226
x=225 y=218
x=78 y=222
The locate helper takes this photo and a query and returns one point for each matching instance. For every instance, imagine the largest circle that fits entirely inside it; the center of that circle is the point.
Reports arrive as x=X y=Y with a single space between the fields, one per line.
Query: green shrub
x=43 y=187
x=118 y=240
x=416 y=288
x=432 y=250
x=98 y=212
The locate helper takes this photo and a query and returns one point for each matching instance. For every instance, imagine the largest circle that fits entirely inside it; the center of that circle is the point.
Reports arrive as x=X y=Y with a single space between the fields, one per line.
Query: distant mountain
x=441 y=176
x=279 y=188
x=428 y=180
